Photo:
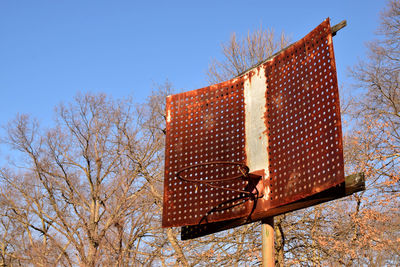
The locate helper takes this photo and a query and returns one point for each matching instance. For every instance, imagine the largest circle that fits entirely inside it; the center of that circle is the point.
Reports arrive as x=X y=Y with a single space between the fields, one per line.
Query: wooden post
x=338 y=27
x=268 y=245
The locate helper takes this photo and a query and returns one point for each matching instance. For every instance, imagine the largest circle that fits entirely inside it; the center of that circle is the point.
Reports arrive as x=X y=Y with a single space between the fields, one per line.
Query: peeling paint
x=168 y=116
x=255 y=108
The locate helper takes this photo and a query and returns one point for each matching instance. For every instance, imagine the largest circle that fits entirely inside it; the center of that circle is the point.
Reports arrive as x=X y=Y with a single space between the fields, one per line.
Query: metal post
x=268 y=247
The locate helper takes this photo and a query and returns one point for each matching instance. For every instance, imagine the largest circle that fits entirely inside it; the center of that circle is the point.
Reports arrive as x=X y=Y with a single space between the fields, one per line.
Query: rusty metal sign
x=240 y=149
x=205 y=125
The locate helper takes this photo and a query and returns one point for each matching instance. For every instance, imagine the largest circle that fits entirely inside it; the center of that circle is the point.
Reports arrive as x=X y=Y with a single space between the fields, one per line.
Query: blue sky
x=51 y=50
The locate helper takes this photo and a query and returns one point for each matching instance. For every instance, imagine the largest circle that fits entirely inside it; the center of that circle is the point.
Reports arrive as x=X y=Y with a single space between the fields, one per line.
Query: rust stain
x=250 y=75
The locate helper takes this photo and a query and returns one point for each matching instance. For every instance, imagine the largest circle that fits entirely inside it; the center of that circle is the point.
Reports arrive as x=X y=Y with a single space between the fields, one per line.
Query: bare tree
x=80 y=195
x=241 y=54
x=374 y=145
x=364 y=229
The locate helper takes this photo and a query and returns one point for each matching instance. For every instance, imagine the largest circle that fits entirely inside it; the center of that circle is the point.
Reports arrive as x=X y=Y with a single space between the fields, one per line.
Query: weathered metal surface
x=281 y=119
x=303 y=119
x=205 y=125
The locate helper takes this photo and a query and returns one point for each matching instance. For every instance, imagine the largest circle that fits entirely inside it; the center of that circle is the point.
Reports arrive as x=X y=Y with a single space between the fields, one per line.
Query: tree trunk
x=178 y=250
x=279 y=241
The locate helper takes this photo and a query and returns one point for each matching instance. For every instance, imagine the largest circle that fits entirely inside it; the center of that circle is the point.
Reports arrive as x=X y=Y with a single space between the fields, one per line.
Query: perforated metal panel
x=281 y=119
x=303 y=119
x=205 y=125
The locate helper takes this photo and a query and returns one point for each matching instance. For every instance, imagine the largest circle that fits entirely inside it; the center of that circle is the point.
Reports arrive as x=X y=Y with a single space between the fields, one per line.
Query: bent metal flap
x=262 y=140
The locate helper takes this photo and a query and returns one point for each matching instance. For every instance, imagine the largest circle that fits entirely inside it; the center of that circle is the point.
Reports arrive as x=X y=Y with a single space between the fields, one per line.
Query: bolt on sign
x=242 y=150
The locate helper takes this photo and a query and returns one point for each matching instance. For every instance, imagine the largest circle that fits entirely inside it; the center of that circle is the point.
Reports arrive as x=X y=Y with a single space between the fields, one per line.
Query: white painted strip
x=255 y=109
